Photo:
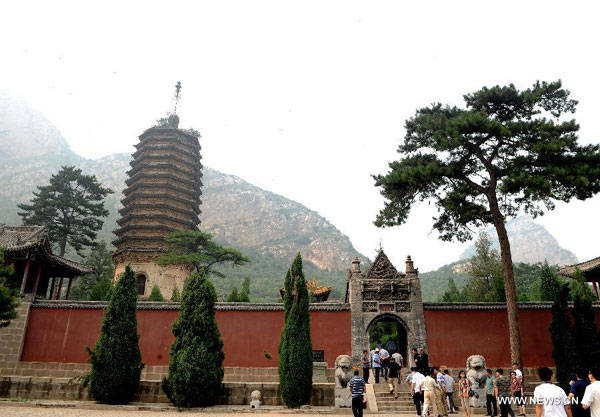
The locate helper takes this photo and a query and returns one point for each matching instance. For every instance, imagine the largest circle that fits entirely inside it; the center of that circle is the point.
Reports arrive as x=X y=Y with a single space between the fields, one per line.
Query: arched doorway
x=389 y=327
x=141 y=284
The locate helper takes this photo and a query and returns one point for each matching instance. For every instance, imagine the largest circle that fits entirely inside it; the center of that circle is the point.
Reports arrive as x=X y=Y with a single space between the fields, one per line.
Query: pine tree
x=71 y=207
x=452 y=295
x=196 y=363
x=295 y=347
x=8 y=300
x=485 y=282
x=245 y=293
x=585 y=334
x=550 y=284
x=175 y=296
x=233 y=296
x=100 y=259
x=116 y=361
x=155 y=294
x=563 y=352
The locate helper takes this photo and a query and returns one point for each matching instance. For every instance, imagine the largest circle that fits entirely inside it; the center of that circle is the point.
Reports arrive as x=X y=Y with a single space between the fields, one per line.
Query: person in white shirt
x=398 y=358
x=450 y=391
x=550 y=400
x=518 y=372
x=591 y=397
x=384 y=356
x=429 y=386
x=416 y=388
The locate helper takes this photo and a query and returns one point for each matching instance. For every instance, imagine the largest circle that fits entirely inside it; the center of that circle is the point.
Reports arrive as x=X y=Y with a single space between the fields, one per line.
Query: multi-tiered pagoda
x=162 y=195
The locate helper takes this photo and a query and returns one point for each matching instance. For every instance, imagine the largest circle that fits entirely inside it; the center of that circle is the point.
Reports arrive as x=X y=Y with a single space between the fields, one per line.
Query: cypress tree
x=175 y=296
x=233 y=296
x=196 y=363
x=563 y=352
x=8 y=300
x=585 y=334
x=116 y=361
x=295 y=348
x=549 y=283
x=155 y=294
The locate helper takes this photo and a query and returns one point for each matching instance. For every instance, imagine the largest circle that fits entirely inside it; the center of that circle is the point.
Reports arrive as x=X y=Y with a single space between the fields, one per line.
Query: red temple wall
x=61 y=334
x=454 y=335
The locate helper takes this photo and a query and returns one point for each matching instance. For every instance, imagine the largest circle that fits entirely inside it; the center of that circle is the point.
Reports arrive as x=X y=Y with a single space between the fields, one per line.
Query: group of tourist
x=432 y=387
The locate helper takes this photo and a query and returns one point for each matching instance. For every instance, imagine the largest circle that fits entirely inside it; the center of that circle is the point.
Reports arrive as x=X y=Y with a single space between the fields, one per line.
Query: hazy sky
x=306 y=99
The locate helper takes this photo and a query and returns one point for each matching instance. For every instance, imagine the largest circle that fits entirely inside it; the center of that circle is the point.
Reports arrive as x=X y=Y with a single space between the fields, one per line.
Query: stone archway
x=385 y=293
x=401 y=329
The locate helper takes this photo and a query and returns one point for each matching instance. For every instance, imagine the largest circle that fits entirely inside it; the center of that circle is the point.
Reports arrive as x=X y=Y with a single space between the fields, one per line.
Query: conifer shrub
x=155 y=294
x=8 y=299
x=116 y=361
x=585 y=334
x=563 y=352
x=175 y=295
x=196 y=362
x=295 y=347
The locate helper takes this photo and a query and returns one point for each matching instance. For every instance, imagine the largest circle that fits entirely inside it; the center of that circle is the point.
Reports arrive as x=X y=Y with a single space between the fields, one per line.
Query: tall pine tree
x=295 y=347
x=196 y=363
x=550 y=285
x=116 y=360
x=563 y=353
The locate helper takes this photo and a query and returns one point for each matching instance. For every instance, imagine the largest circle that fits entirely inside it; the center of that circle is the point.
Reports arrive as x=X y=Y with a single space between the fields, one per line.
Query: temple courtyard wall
x=42 y=352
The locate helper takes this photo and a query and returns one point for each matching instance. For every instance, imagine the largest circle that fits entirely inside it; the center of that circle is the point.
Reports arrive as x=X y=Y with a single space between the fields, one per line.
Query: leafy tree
x=116 y=360
x=550 y=285
x=175 y=296
x=295 y=347
x=155 y=294
x=71 y=207
x=198 y=248
x=507 y=150
x=245 y=293
x=452 y=295
x=564 y=351
x=580 y=287
x=585 y=334
x=196 y=363
x=100 y=259
x=102 y=290
x=485 y=282
x=8 y=300
x=233 y=296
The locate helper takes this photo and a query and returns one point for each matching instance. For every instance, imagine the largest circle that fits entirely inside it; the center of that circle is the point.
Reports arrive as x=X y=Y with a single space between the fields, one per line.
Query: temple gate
x=385 y=294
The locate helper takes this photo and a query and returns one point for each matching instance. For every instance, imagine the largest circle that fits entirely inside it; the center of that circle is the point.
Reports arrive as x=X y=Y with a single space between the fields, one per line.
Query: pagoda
x=162 y=195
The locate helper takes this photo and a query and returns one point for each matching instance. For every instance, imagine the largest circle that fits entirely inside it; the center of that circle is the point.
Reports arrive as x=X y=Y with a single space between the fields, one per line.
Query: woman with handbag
x=464 y=387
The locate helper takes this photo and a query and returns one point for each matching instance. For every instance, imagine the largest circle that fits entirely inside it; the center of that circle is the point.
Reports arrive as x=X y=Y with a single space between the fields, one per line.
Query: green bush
x=116 y=361
x=8 y=300
x=295 y=348
x=196 y=363
x=175 y=296
x=155 y=294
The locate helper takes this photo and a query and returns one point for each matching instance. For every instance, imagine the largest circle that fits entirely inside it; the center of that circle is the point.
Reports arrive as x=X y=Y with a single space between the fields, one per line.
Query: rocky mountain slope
x=267 y=227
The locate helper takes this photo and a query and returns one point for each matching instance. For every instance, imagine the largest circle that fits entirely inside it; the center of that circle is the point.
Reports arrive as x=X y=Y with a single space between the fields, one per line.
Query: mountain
x=530 y=243
x=269 y=228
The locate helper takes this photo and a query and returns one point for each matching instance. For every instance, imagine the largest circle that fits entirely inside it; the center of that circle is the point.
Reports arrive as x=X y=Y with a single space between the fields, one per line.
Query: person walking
x=394 y=374
x=440 y=393
x=357 y=388
x=429 y=385
x=450 y=391
x=376 y=365
x=398 y=358
x=576 y=395
x=464 y=386
x=502 y=393
x=424 y=361
x=591 y=397
x=366 y=363
x=490 y=400
x=384 y=356
x=516 y=386
x=550 y=400
x=416 y=388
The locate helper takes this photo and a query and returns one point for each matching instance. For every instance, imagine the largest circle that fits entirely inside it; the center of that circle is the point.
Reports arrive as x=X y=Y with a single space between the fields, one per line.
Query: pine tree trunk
x=509 y=282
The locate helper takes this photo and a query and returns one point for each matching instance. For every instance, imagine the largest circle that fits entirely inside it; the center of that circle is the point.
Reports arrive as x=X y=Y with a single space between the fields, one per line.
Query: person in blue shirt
x=357 y=388
x=577 y=390
x=376 y=365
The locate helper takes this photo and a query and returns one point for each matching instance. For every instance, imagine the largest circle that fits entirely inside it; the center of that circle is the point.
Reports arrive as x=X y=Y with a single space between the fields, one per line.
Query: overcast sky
x=306 y=99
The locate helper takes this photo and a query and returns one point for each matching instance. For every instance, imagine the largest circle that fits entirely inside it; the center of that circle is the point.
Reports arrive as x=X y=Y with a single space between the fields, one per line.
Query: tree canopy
x=71 y=207
x=198 y=248
x=508 y=150
x=100 y=279
x=8 y=300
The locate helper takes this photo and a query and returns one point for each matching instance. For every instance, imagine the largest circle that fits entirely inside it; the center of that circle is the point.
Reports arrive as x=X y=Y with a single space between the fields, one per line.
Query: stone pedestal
x=478 y=400
x=343 y=398
x=319 y=372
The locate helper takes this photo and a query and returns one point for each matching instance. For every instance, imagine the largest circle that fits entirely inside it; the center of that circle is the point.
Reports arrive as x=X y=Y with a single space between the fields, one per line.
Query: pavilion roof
x=590 y=269
x=21 y=242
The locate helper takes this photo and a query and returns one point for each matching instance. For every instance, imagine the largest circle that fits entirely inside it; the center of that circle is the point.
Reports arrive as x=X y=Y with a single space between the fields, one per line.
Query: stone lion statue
x=343 y=371
x=476 y=371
